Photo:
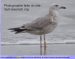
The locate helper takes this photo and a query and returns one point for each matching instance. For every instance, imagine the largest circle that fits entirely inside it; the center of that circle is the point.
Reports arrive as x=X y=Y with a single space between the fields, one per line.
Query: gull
x=42 y=25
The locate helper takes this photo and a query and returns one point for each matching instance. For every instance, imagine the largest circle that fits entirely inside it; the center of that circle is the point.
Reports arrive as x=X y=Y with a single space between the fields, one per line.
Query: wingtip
x=10 y=28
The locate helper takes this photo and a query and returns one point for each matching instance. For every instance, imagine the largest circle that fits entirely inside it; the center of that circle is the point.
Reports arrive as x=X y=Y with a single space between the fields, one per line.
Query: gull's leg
x=44 y=45
x=40 y=44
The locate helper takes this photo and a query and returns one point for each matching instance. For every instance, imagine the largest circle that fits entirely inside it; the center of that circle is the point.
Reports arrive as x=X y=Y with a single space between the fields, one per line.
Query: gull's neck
x=53 y=12
x=53 y=15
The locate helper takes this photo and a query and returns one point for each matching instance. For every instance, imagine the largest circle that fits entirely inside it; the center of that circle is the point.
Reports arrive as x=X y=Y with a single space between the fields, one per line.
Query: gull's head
x=57 y=7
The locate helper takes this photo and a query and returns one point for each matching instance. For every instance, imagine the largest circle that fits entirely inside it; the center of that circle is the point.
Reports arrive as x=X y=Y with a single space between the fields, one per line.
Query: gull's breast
x=49 y=28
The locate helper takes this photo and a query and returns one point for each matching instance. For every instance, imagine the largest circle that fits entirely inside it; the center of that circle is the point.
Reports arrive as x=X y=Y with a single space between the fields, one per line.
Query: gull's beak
x=62 y=7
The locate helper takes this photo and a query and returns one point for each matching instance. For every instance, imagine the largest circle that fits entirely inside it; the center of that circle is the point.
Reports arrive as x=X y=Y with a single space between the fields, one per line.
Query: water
x=52 y=49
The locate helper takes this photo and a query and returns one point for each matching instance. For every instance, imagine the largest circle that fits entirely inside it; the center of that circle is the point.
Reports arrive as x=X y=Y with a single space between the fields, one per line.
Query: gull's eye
x=56 y=5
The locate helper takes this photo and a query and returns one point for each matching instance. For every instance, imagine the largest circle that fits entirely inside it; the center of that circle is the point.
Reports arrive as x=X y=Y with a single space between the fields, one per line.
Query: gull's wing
x=38 y=24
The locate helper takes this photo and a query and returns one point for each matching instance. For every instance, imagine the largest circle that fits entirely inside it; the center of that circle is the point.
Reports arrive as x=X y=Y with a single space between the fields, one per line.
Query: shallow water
x=52 y=49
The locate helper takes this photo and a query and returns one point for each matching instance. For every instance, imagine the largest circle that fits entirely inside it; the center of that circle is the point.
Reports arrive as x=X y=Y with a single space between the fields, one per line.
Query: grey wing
x=39 y=24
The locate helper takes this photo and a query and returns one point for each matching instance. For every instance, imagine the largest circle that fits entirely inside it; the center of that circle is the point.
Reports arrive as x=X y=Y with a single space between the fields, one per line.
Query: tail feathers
x=16 y=30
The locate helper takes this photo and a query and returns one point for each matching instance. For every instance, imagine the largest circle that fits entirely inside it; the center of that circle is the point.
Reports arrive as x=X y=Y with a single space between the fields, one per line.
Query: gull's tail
x=17 y=30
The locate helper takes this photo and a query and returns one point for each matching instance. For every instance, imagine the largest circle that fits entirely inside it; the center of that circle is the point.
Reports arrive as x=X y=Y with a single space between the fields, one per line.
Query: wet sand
x=52 y=49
